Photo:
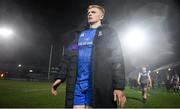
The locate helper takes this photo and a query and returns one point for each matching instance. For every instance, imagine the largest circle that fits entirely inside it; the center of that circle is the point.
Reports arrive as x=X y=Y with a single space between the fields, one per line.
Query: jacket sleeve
x=62 y=68
x=118 y=70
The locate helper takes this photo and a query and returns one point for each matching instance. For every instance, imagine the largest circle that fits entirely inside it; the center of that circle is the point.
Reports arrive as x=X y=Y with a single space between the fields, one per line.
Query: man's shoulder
x=107 y=30
x=106 y=27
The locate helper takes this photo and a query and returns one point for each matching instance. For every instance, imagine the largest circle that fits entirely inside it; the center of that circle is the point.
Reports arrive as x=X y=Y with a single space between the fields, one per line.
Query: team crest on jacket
x=82 y=35
x=100 y=33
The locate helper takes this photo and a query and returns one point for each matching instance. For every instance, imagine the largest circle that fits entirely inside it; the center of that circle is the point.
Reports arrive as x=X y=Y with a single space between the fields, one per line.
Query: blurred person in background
x=144 y=80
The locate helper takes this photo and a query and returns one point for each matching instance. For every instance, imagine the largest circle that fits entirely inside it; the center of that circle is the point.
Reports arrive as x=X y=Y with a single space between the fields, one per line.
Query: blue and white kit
x=83 y=90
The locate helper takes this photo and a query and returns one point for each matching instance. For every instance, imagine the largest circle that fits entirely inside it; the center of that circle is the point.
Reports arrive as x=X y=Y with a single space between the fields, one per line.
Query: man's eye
x=93 y=12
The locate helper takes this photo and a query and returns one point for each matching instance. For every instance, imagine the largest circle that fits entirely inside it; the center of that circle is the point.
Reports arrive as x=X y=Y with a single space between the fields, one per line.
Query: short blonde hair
x=97 y=6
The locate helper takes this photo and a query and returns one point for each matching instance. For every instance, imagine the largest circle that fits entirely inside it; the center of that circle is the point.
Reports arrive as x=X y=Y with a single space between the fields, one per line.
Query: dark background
x=39 y=23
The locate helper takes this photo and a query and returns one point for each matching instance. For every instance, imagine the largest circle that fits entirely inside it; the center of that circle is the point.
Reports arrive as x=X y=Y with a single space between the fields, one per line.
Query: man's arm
x=177 y=79
x=150 y=81
x=138 y=80
x=55 y=86
x=118 y=69
x=172 y=79
x=61 y=75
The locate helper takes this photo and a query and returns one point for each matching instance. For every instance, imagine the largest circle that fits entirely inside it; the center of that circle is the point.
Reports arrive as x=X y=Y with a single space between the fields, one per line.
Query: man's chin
x=91 y=22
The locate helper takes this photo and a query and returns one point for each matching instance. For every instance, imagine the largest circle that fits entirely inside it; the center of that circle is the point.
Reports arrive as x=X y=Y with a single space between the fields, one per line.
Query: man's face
x=94 y=15
x=144 y=69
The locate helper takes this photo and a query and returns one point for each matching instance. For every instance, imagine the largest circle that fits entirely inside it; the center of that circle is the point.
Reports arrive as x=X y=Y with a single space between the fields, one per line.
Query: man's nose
x=89 y=14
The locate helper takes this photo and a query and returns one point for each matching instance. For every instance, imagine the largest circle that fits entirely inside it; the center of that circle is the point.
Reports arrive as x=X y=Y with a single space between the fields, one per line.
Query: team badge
x=82 y=35
x=100 y=33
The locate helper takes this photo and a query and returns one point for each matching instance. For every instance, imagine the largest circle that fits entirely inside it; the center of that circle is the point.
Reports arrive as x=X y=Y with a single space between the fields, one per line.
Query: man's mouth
x=90 y=18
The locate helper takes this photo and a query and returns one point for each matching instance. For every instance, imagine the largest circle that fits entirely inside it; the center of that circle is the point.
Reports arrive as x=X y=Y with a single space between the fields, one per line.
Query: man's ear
x=102 y=16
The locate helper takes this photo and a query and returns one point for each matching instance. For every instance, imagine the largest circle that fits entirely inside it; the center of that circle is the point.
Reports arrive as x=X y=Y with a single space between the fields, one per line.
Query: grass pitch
x=17 y=94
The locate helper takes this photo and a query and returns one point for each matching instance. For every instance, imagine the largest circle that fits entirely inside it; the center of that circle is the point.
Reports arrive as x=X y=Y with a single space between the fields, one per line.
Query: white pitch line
x=34 y=90
x=28 y=90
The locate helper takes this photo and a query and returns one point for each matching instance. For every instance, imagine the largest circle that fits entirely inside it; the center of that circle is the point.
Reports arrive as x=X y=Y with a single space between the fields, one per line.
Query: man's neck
x=95 y=25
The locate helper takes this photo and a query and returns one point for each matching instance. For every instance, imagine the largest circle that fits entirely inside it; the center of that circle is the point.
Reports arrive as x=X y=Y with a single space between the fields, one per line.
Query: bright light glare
x=135 y=38
x=19 y=65
x=169 y=69
x=31 y=71
x=5 y=32
x=2 y=75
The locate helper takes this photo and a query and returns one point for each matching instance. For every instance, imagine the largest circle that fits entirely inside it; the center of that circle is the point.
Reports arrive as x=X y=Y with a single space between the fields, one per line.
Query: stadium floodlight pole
x=63 y=51
x=50 y=59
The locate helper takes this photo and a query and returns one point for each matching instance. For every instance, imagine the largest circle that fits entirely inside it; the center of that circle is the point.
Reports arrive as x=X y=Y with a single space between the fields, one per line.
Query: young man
x=93 y=66
x=175 y=82
x=144 y=80
x=168 y=82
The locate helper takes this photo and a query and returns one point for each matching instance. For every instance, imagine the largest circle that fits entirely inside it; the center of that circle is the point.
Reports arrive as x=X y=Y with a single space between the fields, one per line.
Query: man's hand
x=53 y=91
x=55 y=86
x=119 y=97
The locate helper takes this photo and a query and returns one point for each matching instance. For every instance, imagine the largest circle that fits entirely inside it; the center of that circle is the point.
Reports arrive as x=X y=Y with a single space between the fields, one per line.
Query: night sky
x=39 y=23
